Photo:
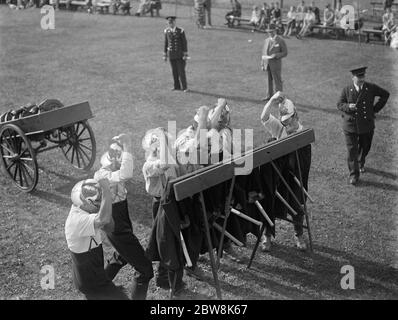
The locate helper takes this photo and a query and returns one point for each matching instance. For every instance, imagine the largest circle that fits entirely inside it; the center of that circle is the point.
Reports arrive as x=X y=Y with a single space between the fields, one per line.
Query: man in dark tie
x=271 y=61
x=176 y=50
x=358 y=109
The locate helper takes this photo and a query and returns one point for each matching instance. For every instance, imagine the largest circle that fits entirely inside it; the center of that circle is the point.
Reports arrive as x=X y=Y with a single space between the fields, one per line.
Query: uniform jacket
x=277 y=47
x=175 y=43
x=362 y=119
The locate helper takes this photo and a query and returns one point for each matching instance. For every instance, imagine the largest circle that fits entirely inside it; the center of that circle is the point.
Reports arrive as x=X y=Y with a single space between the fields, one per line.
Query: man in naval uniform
x=176 y=50
x=358 y=109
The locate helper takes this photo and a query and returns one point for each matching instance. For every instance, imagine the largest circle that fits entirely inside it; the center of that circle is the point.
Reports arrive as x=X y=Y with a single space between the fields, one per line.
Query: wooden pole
x=305 y=205
x=286 y=185
x=256 y=246
x=227 y=211
x=210 y=247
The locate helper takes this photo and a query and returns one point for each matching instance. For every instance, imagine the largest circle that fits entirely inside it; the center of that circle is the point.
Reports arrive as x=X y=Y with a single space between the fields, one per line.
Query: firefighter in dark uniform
x=176 y=50
x=358 y=109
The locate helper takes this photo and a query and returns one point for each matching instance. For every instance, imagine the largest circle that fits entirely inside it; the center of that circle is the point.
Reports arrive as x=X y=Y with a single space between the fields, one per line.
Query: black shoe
x=179 y=288
x=354 y=180
x=196 y=273
x=162 y=283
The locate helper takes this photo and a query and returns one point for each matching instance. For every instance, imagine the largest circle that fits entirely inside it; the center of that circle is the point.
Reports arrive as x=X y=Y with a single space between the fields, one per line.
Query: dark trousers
x=274 y=75
x=358 y=146
x=289 y=165
x=90 y=278
x=129 y=250
x=178 y=69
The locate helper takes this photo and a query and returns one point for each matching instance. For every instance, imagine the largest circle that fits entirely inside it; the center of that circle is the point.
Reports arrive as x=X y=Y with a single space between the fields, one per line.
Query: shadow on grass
x=54 y=198
x=381 y=173
x=321 y=273
x=379 y=185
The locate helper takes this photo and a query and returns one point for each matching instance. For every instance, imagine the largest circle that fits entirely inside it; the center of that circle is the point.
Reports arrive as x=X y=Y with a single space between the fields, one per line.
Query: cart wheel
x=78 y=145
x=18 y=157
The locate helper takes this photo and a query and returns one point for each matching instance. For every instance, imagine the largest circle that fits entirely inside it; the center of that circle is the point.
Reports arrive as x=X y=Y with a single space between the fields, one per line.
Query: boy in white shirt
x=279 y=128
x=117 y=167
x=91 y=211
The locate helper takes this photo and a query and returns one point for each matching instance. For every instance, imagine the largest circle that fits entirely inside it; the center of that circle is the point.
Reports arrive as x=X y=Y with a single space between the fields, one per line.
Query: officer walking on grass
x=358 y=109
x=176 y=50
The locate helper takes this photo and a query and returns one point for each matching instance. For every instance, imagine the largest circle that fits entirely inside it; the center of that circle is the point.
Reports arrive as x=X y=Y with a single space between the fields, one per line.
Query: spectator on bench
x=265 y=17
x=255 y=18
x=155 y=5
x=143 y=8
x=394 y=39
x=315 y=10
x=199 y=13
x=388 y=24
x=338 y=15
x=309 y=21
x=328 y=16
x=276 y=16
x=301 y=11
x=122 y=6
x=235 y=13
x=387 y=4
x=291 y=22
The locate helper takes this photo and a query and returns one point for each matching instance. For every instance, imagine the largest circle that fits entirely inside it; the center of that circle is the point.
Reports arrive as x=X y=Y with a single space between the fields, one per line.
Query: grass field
x=116 y=64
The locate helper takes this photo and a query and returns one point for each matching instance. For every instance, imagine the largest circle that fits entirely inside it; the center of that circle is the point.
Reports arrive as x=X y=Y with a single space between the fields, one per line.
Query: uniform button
x=364 y=102
x=364 y=117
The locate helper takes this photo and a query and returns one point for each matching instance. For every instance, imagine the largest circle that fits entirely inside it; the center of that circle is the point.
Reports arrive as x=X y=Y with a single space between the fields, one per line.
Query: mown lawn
x=116 y=64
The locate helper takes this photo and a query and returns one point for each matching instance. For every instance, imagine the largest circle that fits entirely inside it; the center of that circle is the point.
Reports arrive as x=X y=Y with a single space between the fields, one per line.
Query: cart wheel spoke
x=8 y=168
x=21 y=180
x=80 y=139
x=73 y=155
x=15 y=172
x=7 y=149
x=29 y=168
x=84 y=152
x=87 y=148
x=67 y=151
x=26 y=174
x=80 y=152
x=77 y=156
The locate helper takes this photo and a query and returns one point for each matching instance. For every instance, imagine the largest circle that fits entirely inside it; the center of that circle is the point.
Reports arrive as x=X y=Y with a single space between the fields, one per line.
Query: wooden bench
x=72 y=5
x=337 y=30
x=374 y=32
x=102 y=6
x=239 y=19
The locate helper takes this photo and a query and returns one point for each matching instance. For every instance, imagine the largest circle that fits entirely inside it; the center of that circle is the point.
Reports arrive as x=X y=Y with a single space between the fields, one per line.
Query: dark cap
x=171 y=18
x=359 y=71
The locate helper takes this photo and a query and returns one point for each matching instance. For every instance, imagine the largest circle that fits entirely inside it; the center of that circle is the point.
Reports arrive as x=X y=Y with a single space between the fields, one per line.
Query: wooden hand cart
x=66 y=128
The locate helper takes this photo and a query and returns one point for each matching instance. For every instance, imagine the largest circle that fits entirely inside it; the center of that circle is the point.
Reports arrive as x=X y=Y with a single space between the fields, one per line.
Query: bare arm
x=104 y=215
x=267 y=108
x=221 y=103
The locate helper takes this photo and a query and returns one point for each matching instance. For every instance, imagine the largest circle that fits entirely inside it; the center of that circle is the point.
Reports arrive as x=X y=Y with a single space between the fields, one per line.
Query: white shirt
x=357 y=87
x=291 y=15
x=155 y=177
x=118 y=178
x=276 y=129
x=79 y=230
x=224 y=143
